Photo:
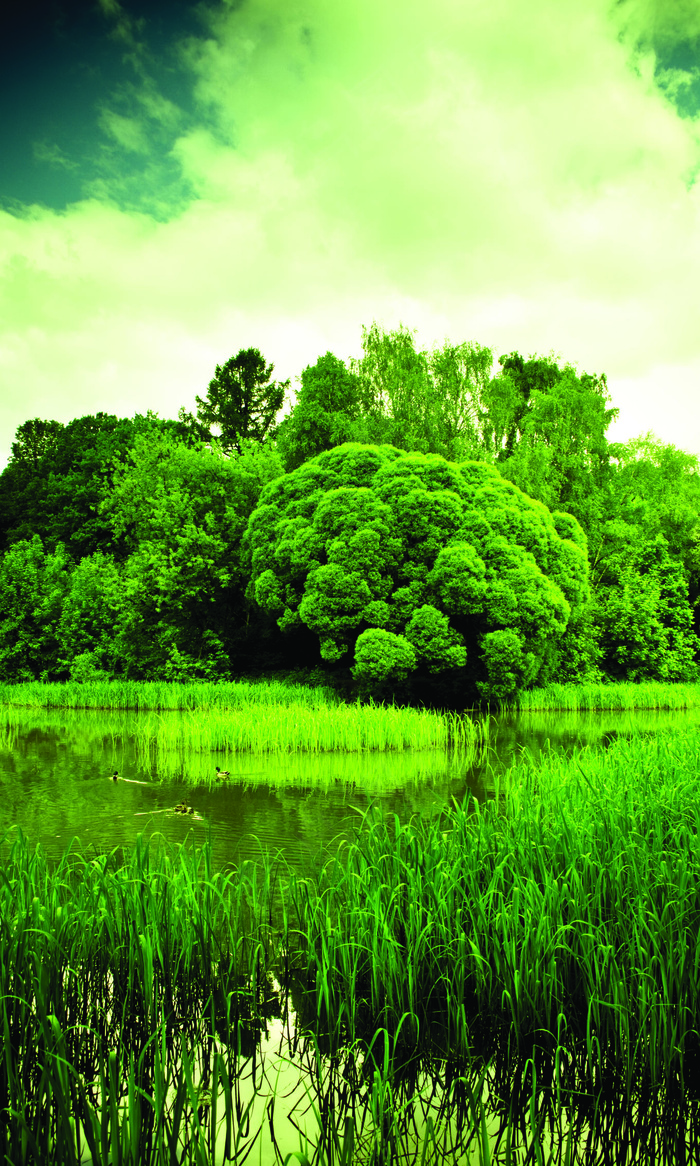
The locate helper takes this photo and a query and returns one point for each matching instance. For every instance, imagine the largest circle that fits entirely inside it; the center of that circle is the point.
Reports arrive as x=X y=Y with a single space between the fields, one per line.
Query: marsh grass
x=155 y=696
x=294 y=728
x=259 y=717
x=133 y=991
x=617 y=696
x=515 y=982
x=551 y=934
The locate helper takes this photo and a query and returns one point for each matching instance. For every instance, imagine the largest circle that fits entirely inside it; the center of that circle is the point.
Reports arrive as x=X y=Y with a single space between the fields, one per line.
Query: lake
x=55 y=784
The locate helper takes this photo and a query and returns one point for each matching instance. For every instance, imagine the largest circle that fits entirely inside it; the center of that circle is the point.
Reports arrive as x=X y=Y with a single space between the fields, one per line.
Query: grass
x=293 y=728
x=617 y=696
x=554 y=931
x=256 y=717
x=131 y=990
x=140 y=695
x=518 y=981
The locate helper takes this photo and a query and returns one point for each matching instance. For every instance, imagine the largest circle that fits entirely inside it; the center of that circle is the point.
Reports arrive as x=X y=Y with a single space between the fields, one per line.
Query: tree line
x=414 y=524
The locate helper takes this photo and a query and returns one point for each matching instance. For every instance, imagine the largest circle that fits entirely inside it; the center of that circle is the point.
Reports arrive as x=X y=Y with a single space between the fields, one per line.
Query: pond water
x=55 y=784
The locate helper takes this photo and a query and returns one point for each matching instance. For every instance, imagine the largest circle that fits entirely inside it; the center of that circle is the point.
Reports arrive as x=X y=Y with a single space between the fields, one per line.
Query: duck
x=183 y=808
x=115 y=776
x=223 y=772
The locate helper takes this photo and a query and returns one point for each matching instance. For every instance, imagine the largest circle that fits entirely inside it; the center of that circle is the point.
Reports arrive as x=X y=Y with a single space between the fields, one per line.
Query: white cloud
x=494 y=172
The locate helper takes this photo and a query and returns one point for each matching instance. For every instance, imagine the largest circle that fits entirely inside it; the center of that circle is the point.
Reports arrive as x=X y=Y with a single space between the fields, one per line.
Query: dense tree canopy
x=404 y=562
x=180 y=513
x=58 y=474
x=428 y=520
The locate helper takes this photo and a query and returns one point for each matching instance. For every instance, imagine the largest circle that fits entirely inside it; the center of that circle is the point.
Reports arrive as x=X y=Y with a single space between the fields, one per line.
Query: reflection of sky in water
x=55 y=781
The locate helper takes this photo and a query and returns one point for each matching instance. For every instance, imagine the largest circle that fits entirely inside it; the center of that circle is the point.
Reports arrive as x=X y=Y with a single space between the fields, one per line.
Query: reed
x=516 y=981
x=132 y=991
x=321 y=729
x=556 y=927
x=135 y=990
x=140 y=695
x=606 y=696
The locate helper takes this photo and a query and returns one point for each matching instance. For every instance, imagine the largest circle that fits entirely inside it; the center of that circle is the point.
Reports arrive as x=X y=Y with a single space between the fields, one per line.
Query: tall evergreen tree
x=241 y=400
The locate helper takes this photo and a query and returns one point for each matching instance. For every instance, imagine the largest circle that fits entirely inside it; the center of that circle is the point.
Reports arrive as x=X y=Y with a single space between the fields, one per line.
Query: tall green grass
x=553 y=931
x=622 y=696
x=139 y=695
x=133 y=991
x=255 y=717
x=516 y=982
x=292 y=728
x=135 y=994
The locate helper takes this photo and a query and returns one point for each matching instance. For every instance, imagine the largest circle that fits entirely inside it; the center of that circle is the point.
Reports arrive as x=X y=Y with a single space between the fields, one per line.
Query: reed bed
x=292 y=728
x=133 y=989
x=611 y=696
x=551 y=935
x=518 y=981
x=136 y=992
x=160 y=696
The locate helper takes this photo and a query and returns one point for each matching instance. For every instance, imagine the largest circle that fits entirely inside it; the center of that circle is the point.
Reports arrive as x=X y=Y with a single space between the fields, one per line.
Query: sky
x=179 y=181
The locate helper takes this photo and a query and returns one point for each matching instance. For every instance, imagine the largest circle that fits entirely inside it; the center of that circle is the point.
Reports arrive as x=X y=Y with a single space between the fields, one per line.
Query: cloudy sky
x=182 y=180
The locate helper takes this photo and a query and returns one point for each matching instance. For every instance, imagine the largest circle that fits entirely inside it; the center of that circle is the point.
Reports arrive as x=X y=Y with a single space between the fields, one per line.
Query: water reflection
x=56 y=766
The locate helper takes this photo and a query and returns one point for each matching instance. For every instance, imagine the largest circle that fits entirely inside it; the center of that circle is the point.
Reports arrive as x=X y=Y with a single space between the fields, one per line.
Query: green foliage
x=382 y=656
x=180 y=513
x=241 y=401
x=58 y=474
x=323 y=416
x=654 y=489
x=436 y=644
x=646 y=557
x=33 y=585
x=645 y=619
x=406 y=557
x=550 y=438
x=91 y=613
x=509 y=668
x=430 y=402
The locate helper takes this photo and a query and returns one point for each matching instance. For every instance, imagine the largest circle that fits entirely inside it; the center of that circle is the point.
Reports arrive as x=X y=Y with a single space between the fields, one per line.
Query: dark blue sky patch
x=75 y=83
x=678 y=74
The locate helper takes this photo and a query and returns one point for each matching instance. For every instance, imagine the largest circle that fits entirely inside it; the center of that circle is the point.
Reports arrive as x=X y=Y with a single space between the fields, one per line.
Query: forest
x=412 y=527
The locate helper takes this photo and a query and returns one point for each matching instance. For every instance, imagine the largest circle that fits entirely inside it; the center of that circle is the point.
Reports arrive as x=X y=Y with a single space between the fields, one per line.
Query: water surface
x=55 y=783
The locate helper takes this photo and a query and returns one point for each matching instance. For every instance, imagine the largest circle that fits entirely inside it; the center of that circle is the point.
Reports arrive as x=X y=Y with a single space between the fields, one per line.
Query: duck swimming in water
x=223 y=772
x=115 y=775
x=183 y=808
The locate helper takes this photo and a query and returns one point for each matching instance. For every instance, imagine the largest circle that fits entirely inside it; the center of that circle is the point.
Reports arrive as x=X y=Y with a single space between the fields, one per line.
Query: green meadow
x=515 y=980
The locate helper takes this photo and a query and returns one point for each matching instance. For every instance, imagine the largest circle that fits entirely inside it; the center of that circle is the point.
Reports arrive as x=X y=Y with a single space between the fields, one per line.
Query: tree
x=33 y=585
x=646 y=566
x=645 y=619
x=412 y=565
x=324 y=414
x=241 y=401
x=33 y=441
x=553 y=435
x=58 y=474
x=431 y=402
x=180 y=513
x=92 y=611
x=655 y=489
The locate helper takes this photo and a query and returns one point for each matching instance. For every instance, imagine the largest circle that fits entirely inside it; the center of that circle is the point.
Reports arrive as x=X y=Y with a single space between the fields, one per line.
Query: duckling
x=183 y=808
x=222 y=772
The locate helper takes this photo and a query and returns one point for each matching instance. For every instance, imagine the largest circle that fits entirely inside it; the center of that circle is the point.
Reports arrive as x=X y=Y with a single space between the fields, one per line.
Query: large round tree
x=404 y=563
